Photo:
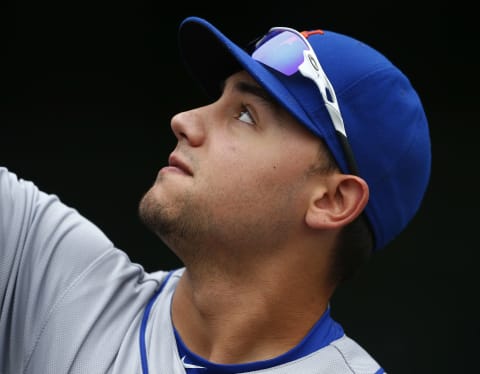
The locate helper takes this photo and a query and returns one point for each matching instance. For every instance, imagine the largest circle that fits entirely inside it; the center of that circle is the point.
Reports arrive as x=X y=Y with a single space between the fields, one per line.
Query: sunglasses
x=288 y=51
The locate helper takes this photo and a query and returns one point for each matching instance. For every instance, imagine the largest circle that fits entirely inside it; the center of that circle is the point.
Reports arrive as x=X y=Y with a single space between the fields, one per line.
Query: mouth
x=175 y=162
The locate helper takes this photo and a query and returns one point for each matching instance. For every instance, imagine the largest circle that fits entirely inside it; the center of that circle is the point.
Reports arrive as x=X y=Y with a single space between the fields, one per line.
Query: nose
x=189 y=126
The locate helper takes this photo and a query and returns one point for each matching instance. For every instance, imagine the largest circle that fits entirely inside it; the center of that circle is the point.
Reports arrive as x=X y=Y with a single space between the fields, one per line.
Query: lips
x=176 y=162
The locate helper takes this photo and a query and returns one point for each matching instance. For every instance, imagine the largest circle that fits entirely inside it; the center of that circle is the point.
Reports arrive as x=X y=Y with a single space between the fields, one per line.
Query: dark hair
x=355 y=242
x=353 y=250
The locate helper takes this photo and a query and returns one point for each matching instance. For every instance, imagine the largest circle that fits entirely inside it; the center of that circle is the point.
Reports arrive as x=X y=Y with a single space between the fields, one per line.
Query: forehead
x=236 y=80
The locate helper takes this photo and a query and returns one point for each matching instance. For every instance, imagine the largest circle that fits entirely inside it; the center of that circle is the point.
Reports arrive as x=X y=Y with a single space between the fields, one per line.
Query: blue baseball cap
x=383 y=115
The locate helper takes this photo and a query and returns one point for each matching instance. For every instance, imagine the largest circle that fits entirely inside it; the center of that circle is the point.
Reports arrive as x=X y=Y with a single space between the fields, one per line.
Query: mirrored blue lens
x=282 y=51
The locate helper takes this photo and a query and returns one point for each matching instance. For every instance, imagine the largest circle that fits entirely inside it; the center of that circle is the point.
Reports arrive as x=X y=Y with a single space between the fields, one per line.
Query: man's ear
x=337 y=201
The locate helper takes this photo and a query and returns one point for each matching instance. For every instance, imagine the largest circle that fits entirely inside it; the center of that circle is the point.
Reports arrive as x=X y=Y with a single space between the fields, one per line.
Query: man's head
x=247 y=180
x=384 y=120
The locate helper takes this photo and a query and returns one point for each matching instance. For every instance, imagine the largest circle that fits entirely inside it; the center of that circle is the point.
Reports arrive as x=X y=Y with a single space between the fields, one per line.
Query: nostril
x=183 y=135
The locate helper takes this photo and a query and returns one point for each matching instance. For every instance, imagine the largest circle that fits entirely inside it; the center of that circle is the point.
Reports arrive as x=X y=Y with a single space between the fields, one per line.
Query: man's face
x=239 y=176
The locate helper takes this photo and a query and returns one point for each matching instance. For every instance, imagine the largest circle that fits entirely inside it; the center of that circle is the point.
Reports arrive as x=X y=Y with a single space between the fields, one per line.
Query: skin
x=244 y=204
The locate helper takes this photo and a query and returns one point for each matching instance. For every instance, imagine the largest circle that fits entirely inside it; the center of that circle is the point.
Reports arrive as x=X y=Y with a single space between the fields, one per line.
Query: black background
x=88 y=88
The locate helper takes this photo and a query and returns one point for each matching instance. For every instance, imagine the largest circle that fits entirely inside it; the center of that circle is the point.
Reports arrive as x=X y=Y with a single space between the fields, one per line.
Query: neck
x=239 y=318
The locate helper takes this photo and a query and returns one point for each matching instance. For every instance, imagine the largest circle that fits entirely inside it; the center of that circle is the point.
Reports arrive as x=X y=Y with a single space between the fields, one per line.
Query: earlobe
x=337 y=202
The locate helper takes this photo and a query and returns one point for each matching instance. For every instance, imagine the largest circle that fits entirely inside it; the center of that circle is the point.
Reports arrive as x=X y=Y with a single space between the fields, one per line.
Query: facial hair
x=171 y=221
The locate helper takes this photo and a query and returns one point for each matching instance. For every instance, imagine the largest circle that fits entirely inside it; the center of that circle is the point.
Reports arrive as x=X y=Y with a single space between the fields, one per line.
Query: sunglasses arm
x=311 y=68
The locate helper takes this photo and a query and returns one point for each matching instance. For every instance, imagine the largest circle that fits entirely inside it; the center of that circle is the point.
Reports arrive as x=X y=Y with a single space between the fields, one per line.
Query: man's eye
x=246 y=117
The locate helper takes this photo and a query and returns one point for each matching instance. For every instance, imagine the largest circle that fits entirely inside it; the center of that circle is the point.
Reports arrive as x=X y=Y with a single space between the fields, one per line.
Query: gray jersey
x=70 y=302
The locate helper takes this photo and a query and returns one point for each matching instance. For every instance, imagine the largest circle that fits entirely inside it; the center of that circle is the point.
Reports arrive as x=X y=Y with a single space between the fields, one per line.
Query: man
x=314 y=154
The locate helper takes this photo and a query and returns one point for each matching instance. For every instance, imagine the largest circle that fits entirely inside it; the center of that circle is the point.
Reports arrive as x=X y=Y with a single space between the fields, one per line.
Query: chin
x=152 y=213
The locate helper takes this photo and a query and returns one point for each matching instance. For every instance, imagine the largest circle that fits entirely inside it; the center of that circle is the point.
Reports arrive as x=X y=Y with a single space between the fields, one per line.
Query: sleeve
x=45 y=247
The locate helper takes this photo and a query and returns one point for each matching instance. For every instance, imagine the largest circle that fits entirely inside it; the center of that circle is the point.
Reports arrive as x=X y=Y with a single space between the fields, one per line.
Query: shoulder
x=341 y=356
x=347 y=353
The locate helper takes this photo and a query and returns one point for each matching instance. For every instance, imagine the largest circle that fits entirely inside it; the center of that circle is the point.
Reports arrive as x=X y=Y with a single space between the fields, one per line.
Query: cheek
x=256 y=176
x=263 y=164
x=259 y=163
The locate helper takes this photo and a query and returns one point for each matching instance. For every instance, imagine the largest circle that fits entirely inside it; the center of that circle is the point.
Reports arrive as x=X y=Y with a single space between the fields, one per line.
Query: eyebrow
x=253 y=89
